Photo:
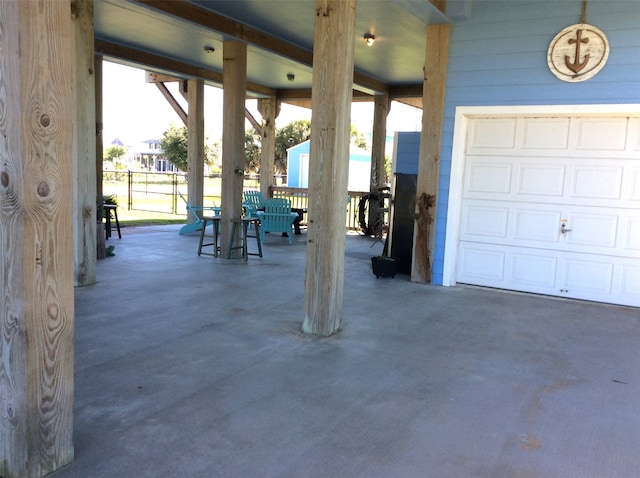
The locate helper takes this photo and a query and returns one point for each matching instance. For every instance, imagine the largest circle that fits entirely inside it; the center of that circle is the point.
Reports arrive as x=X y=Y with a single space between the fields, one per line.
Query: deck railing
x=158 y=192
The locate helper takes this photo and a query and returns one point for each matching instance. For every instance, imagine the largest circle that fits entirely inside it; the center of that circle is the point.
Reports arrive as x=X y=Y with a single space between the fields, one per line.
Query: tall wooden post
x=329 y=164
x=84 y=145
x=269 y=108
x=424 y=231
x=378 y=140
x=100 y=233
x=37 y=105
x=234 y=84
x=195 y=140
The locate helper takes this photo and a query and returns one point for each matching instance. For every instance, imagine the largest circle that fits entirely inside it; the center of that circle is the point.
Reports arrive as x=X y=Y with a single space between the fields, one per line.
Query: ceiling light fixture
x=369 y=38
x=209 y=49
x=291 y=76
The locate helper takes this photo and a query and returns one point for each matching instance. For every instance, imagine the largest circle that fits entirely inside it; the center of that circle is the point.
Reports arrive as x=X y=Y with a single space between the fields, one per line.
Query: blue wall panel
x=499 y=57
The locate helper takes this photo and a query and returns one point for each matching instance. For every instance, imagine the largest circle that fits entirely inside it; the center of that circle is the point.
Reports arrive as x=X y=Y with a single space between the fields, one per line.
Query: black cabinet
x=402 y=220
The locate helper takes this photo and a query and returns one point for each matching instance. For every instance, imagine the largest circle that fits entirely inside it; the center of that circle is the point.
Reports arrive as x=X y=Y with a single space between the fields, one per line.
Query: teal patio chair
x=276 y=217
x=193 y=211
x=252 y=201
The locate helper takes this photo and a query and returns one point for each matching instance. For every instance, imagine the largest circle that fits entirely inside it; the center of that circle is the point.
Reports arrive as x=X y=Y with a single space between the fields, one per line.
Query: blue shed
x=298 y=167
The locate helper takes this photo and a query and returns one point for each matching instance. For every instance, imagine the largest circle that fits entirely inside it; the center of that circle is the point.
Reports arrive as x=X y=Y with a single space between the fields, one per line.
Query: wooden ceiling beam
x=212 y=21
x=157 y=61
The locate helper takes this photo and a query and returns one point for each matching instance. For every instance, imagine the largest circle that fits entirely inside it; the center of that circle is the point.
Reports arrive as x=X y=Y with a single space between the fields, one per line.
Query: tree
x=174 y=145
x=114 y=153
x=252 y=150
x=294 y=133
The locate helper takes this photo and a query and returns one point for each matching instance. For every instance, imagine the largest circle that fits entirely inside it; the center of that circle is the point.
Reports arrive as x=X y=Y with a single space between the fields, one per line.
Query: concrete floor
x=192 y=366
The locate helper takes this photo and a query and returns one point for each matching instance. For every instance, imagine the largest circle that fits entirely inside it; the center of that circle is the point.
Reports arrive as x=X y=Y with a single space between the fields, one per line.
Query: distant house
x=298 y=167
x=148 y=155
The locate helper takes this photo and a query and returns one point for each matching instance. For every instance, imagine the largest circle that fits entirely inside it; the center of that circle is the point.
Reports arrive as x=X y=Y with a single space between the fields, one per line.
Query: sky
x=135 y=111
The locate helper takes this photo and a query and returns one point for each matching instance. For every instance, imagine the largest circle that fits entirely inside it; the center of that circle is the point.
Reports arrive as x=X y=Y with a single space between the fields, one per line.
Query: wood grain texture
x=195 y=142
x=233 y=103
x=328 y=165
x=84 y=147
x=36 y=218
x=269 y=108
x=424 y=237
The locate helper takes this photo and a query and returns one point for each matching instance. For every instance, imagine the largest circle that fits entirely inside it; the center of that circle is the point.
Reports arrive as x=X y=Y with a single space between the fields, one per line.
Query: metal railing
x=158 y=193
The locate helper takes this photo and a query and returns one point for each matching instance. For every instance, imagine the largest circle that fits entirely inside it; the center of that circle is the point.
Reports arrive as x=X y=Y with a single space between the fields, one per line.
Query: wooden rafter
x=208 y=19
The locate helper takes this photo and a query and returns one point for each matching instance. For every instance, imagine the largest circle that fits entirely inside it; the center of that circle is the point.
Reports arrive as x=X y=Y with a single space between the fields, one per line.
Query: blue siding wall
x=407 y=152
x=499 y=57
x=294 y=164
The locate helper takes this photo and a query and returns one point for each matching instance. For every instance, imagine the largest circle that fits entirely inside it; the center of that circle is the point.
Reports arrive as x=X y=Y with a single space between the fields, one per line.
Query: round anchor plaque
x=578 y=52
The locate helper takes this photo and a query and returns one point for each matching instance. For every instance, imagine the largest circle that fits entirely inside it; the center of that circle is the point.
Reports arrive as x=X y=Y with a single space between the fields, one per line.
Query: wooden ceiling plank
x=210 y=20
x=157 y=61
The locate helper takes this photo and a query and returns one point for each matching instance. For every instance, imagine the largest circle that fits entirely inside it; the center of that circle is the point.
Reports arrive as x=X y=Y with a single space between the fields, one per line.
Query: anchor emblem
x=577 y=65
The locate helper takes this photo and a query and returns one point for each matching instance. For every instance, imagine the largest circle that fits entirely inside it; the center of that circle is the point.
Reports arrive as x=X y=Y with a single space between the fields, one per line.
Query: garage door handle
x=563 y=228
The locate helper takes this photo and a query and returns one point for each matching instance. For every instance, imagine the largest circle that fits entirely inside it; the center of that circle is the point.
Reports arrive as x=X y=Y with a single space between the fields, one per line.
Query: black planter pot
x=384 y=266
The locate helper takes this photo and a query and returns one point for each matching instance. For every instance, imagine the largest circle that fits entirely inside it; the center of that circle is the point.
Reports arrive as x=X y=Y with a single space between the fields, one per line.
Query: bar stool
x=108 y=210
x=245 y=222
x=215 y=222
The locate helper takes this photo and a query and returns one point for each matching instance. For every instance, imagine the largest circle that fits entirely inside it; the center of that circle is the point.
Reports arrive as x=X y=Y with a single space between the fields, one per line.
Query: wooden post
x=269 y=108
x=37 y=105
x=100 y=232
x=424 y=232
x=329 y=164
x=84 y=145
x=378 y=143
x=195 y=140
x=234 y=86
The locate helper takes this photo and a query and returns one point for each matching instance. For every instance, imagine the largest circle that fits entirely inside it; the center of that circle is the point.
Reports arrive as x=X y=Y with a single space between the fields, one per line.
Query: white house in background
x=148 y=155
x=298 y=167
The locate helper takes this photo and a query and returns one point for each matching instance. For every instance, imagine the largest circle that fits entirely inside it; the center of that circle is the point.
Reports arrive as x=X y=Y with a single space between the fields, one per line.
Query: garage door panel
x=480 y=220
x=541 y=180
x=492 y=133
x=482 y=263
x=592 y=230
x=587 y=276
x=632 y=236
x=605 y=134
x=545 y=133
x=488 y=177
x=534 y=272
x=537 y=225
x=630 y=281
x=635 y=184
x=593 y=182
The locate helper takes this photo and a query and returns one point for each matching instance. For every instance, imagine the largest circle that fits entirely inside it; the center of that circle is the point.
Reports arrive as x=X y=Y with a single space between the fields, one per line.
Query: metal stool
x=215 y=222
x=246 y=221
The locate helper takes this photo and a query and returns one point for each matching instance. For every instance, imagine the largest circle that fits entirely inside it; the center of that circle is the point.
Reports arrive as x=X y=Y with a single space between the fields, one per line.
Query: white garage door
x=552 y=206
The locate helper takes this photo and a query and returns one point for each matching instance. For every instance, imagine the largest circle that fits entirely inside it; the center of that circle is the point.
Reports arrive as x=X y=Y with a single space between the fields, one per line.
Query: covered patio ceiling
x=185 y=39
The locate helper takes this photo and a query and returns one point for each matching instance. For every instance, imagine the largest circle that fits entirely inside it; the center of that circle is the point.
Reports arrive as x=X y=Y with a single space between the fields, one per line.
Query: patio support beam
x=37 y=108
x=269 y=108
x=195 y=143
x=333 y=58
x=233 y=158
x=84 y=148
x=99 y=158
x=435 y=77
x=378 y=142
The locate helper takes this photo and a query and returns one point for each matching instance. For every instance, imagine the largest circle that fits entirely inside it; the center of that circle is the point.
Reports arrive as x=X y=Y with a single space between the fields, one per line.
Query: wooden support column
x=424 y=235
x=195 y=140
x=37 y=107
x=234 y=86
x=329 y=164
x=269 y=108
x=99 y=158
x=84 y=146
x=378 y=140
